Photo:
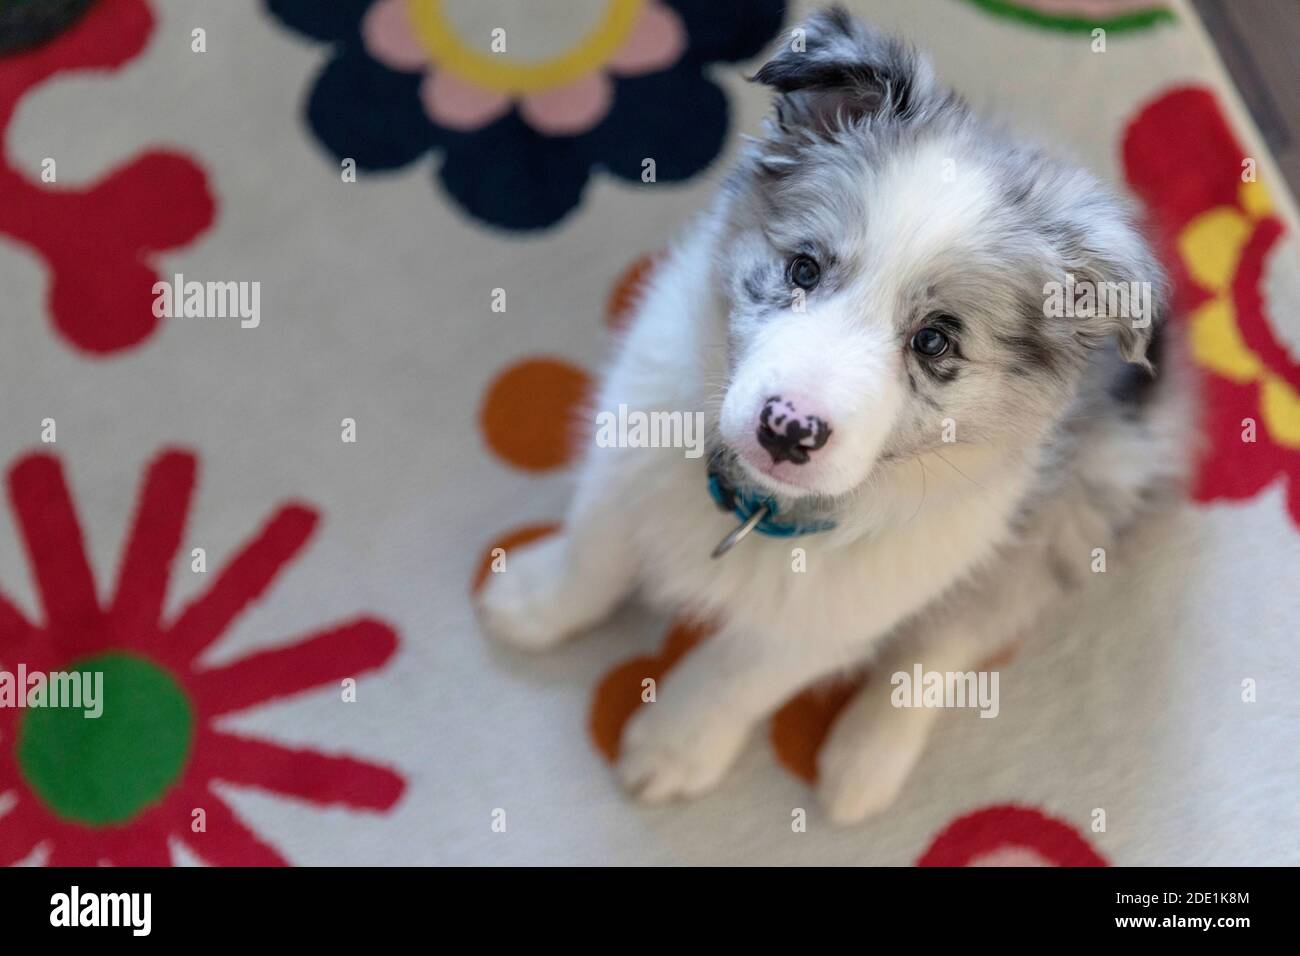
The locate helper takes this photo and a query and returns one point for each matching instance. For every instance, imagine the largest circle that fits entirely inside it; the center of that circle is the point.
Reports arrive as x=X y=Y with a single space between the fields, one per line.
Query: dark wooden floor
x=1259 y=42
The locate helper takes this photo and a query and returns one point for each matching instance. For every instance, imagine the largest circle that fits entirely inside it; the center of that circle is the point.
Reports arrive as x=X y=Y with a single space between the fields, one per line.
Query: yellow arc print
x=494 y=72
x=1211 y=246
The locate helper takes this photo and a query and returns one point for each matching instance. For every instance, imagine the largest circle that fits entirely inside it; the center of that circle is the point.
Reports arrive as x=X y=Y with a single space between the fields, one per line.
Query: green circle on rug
x=107 y=769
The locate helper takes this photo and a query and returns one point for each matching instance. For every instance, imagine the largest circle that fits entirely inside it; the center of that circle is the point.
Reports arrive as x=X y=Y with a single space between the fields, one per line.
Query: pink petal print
x=389 y=37
x=570 y=109
x=656 y=41
x=451 y=102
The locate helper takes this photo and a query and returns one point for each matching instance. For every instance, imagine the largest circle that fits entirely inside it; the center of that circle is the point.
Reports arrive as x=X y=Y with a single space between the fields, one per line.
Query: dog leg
x=571 y=580
x=684 y=742
x=874 y=745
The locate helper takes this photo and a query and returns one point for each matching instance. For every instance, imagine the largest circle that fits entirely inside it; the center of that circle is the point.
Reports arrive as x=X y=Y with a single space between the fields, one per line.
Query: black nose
x=788 y=435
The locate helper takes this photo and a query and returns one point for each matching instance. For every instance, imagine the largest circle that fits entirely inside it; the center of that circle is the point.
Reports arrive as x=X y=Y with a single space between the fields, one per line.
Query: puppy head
x=888 y=265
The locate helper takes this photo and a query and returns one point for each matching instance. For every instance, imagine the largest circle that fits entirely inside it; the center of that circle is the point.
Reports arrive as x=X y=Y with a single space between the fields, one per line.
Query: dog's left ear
x=1111 y=253
x=832 y=69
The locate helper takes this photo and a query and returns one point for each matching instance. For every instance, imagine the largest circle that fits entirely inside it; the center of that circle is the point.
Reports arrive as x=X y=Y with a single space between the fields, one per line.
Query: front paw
x=525 y=604
x=861 y=769
x=669 y=753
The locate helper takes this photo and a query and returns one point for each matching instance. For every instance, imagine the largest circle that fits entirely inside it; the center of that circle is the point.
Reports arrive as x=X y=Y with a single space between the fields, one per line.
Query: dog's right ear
x=832 y=70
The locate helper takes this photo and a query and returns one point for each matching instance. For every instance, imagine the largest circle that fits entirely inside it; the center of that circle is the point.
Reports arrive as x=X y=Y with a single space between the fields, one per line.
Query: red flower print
x=1009 y=835
x=1217 y=231
x=118 y=787
x=98 y=239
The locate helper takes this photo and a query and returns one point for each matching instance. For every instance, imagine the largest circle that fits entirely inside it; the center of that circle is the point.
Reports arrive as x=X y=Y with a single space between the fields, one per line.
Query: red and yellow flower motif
x=1224 y=251
x=1217 y=229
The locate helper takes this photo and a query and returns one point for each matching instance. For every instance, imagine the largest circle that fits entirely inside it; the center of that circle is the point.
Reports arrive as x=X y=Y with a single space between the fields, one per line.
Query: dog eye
x=804 y=271
x=930 y=342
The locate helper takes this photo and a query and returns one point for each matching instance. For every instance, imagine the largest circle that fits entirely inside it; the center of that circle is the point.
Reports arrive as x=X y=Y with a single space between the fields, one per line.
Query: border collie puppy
x=926 y=408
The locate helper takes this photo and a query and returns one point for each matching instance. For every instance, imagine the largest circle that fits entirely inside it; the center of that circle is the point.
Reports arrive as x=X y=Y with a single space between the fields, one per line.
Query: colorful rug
x=263 y=528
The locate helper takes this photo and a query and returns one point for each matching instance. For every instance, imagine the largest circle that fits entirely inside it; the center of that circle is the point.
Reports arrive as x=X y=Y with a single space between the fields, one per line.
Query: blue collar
x=745 y=505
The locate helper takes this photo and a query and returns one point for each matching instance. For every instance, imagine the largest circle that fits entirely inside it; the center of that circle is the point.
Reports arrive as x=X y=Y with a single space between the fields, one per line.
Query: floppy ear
x=1111 y=253
x=832 y=69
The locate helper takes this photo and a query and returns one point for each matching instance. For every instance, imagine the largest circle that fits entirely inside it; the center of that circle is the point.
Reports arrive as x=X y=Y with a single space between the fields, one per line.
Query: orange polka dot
x=801 y=726
x=627 y=291
x=511 y=539
x=618 y=695
x=529 y=413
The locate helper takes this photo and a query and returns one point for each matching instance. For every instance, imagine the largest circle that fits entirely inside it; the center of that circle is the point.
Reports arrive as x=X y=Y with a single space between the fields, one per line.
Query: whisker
x=924 y=491
x=941 y=457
